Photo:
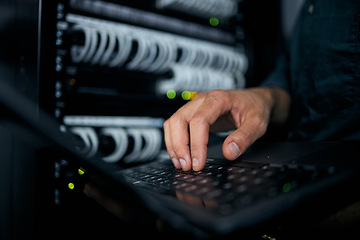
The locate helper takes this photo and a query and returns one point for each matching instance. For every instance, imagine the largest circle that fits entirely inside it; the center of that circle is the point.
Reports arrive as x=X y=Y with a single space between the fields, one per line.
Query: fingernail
x=234 y=149
x=176 y=163
x=183 y=163
x=195 y=162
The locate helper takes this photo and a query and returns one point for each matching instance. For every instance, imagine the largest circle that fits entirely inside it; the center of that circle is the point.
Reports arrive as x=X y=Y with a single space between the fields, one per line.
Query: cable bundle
x=117 y=45
x=134 y=141
x=200 y=80
x=206 y=8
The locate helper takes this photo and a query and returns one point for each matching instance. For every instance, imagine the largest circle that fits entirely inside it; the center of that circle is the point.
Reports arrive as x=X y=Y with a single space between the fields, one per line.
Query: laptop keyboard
x=226 y=187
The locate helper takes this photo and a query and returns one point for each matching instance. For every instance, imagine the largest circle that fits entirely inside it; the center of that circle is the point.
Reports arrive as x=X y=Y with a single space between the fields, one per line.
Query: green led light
x=186 y=95
x=214 y=21
x=286 y=187
x=81 y=171
x=71 y=186
x=171 y=94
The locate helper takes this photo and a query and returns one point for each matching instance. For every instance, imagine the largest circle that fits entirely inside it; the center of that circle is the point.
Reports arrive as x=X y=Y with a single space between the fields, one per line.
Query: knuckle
x=174 y=120
x=197 y=119
x=166 y=124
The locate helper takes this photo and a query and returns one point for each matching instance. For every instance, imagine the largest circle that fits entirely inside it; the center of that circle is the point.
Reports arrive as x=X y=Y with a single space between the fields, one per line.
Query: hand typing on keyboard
x=247 y=111
x=225 y=187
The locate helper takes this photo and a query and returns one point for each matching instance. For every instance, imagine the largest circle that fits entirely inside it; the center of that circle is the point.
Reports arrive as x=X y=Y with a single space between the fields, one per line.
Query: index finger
x=215 y=105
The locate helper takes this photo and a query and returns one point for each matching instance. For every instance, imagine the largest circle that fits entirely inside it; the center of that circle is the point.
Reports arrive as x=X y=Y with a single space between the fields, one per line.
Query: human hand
x=248 y=111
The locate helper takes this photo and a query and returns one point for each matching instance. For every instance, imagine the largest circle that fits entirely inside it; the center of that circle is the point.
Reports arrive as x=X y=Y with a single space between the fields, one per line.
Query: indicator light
x=81 y=171
x=171 y=94
x=214 y=21
x=72 y=81
x=71 y=186
x=186 y=95
x=286 y=187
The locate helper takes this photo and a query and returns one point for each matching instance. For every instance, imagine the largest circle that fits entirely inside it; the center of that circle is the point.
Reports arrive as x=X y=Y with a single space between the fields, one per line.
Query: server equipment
x=110 y=72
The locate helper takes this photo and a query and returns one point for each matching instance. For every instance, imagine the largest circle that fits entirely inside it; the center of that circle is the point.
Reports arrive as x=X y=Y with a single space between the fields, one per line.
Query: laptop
x=271 y=182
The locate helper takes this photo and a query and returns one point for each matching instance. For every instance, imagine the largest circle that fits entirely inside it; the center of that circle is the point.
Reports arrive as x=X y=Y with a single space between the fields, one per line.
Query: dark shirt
x=321 y=71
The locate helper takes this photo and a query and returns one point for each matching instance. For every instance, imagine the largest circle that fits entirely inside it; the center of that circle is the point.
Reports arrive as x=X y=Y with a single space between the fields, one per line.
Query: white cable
x=136 y=135
x=101 y=49
x=199 y=58
x=110 y=48
x=224 y=62
x=87 y=145
x=124 y=49
x=158 y=141
x=192 y=79
x=147 y=149
x=160 y=59
x=169 y=58
x=184 y=54
x=231 y=64
x=150 y=58
x=204 y=8
x=78 y=53
x=190 y=58
x=198 y=82
x=153 y=138
x=155 y=143
x=93 y=45
x=140 y=54
x=201 y=66
x=208 y=56
x=89 y=137
x=188 y=79
x=121 y=144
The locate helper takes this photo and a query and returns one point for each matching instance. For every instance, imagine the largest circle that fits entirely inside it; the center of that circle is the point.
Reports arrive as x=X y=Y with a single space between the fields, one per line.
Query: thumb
x=237 y=142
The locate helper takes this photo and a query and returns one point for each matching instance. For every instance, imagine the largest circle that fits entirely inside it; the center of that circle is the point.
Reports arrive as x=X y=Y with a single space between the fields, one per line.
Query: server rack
x=68 y=57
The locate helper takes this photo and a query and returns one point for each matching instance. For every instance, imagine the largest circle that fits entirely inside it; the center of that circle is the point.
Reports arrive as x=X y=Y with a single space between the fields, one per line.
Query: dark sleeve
x=279 y=77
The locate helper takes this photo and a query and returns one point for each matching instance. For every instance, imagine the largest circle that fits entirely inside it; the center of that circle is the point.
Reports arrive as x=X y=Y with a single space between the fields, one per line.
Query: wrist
x=280 y=100
x=277 y=100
